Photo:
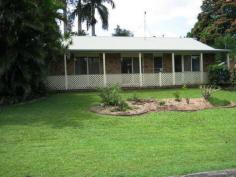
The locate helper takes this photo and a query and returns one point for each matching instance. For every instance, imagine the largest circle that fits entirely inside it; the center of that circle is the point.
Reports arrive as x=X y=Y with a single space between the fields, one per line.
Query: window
x=178 y=63
x=192 y=63
x=81 y=66
x=129 y=65
x=195 y=63
x=87 y=65
x=187 y=63
x=158 y=64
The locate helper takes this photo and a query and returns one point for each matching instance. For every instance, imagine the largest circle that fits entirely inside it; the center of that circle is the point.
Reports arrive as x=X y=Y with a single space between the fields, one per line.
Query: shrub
x=187 y=100
x=122 y=106
x=207 y=91
x=177 y=96
x=110 y=95
x=162 y=103
x=219 y=75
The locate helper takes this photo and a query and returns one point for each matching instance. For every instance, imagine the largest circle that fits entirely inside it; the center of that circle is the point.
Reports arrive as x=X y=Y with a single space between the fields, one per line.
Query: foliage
x=207 y=91
x=110 y=95
x=218 y=102
x=177 y=96
x=216 y=19
x=85 y=10
x=219 y=74
x=162 y=103
x=122 y=32
x=29 y=38
x=122 y=106
x=187 y=100
x=225 y=42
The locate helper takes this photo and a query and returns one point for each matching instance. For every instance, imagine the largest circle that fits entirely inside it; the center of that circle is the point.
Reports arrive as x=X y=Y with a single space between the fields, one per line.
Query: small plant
x=187 y=100
x=207 y=91
x=110 y=95
x=177 y=96
x=162 y=103
x=122 y=106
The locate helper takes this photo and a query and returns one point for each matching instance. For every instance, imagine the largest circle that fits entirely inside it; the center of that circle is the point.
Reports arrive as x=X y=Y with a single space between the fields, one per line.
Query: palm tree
x=85 y=10
x=78 y=12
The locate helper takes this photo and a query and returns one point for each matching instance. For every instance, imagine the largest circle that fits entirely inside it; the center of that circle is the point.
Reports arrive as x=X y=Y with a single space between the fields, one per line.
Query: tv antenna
x=144 y=25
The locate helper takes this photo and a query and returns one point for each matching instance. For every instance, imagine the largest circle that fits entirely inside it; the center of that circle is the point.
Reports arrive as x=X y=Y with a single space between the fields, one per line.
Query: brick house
x=95 y=62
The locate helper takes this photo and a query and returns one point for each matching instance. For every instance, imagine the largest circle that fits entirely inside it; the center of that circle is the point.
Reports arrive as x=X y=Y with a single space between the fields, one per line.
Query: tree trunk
x=65 y=16
x=93 y=30
x=79 y=25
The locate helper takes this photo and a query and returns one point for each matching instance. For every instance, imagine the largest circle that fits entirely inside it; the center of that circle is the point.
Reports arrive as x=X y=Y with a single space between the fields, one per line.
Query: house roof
x=141 y=44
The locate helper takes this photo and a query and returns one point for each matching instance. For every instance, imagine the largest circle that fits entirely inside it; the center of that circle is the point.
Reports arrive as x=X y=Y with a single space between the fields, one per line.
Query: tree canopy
x=218 y=18
x=122 y=32
x=29 y=38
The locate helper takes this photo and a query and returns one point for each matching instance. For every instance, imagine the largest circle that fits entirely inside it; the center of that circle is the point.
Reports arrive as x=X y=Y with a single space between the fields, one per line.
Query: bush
x=122 y=106
x=162 y=103
x=110 y=95
x=207 y=91
x=177 y=96
x=219 y=75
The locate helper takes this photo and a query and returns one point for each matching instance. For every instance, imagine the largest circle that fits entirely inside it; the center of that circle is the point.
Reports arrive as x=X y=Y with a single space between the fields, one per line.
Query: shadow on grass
x=58 y=110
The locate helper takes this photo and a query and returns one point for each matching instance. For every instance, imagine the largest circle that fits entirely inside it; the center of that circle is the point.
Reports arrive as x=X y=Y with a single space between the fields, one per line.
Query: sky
x=171 y=18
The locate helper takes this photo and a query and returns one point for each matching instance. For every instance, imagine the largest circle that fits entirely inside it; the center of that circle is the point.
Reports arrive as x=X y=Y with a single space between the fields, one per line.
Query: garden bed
x=139 y=107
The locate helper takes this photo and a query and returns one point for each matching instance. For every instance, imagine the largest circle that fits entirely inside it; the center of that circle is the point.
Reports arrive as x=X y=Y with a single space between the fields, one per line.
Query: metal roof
x=113 y=44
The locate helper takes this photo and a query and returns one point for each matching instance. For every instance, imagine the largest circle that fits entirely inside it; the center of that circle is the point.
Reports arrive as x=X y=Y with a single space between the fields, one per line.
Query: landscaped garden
x=59 y=136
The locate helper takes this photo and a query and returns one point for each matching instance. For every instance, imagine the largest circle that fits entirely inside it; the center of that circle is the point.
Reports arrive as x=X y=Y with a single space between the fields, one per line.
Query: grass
x=59 y=137
x=218 y=102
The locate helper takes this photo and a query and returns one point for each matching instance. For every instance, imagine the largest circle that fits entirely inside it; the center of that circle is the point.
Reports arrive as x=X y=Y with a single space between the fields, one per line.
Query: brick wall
x=167 y=63
x=148 y=63
x=113 y=63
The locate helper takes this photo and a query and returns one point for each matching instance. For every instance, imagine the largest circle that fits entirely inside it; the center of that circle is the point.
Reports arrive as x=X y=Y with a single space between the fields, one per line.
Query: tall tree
x=29 y=37
x=217 y=18
x=122 y=32
x=89 y=9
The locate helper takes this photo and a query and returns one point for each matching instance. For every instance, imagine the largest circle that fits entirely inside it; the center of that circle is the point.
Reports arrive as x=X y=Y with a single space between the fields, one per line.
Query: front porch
x=96 y=70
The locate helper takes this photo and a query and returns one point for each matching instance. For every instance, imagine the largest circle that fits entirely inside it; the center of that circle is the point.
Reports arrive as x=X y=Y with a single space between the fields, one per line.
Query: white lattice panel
x=151 y=80
x=179 y=78
x=192 y=78
x=56 y=82
x=124 y=80
x=85 y=82
x=167 y=79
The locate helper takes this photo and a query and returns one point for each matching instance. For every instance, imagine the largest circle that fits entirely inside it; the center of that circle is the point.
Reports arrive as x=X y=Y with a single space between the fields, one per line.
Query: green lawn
x=58 y=136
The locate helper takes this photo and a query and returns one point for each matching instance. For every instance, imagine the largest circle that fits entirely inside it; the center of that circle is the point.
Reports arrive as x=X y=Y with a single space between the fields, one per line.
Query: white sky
x=173 y=18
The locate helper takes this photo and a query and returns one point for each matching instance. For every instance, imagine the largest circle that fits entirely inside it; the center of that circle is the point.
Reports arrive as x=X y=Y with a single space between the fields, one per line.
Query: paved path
x=223 y=173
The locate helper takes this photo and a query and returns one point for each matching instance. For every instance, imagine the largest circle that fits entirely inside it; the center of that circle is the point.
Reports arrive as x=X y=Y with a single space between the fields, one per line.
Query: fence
x=75 y=82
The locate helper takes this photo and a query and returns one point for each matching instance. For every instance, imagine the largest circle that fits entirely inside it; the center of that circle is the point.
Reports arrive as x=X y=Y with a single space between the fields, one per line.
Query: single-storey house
x=95 y=62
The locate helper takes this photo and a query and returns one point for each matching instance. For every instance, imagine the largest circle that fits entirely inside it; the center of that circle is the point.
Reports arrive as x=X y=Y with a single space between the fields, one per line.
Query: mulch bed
x=144 y=106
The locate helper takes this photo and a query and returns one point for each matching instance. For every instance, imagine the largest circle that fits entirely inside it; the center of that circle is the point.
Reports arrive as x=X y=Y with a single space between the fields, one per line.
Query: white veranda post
x=182 y=66
x=65 y=68
x=140 y=70
x=173 y=67
x=104 y=69
x=228 y=61
x=201 y=67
